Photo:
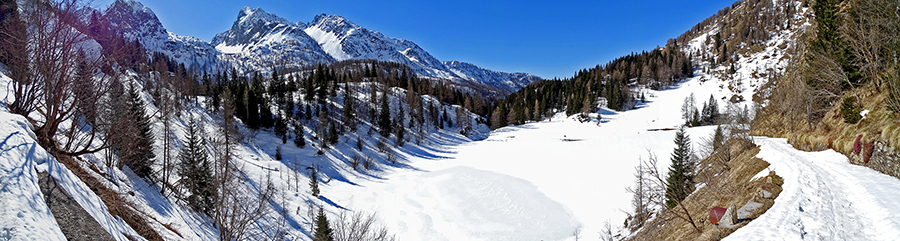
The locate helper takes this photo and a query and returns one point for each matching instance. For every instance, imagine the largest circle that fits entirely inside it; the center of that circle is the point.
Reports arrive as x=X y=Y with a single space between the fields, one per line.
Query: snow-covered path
x=825 y=198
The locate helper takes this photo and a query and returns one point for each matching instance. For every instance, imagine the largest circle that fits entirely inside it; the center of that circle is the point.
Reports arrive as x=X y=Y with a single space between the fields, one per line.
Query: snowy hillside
x=825 y=197
x=23 y=213
x=346 y=40
x=445 y=175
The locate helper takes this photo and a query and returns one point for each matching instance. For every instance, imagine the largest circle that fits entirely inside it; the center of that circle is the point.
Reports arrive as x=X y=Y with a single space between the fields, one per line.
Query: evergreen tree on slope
x=195 y=171
x=681 y=178
x=323 y=231
x=137 y=153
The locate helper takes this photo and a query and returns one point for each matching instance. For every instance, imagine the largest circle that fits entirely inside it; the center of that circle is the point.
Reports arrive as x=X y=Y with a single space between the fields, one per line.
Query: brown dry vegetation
x=804 y=105
x=831 y=132
x=728 y=181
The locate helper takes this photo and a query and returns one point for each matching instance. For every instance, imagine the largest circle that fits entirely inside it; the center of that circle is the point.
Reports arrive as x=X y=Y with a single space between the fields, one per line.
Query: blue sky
x=546 y=38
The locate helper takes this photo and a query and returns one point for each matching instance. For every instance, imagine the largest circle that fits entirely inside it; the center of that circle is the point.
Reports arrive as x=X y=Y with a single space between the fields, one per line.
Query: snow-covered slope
x=539 y=181
x=346 y=40
x=135 y=21
x=23 y=213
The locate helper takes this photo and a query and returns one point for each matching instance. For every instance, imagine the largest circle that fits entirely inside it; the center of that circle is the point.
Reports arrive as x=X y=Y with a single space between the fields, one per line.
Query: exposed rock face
x=137 y=22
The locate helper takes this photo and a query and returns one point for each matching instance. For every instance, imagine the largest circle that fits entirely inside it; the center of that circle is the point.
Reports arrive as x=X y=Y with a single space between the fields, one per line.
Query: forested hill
x=615 y=85
x=733 y=32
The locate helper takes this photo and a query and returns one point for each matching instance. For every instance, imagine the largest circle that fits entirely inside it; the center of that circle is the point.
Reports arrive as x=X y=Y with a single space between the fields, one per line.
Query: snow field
x=539 y=181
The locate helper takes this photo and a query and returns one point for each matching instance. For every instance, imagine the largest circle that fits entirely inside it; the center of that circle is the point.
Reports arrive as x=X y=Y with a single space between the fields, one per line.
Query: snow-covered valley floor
x=540 y=181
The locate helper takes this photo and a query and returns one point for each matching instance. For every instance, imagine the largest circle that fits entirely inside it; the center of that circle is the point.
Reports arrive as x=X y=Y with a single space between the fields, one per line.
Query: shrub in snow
x=367 y=163
x=391 y=157
x=382 y=145
x=354 y=161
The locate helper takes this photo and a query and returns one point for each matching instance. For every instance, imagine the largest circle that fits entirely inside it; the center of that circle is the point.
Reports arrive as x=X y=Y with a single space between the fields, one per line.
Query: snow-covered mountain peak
x=258 y=39
x=503 y=81
x=333 y=24
x=248 y=16
x=136 y=21
x=251 y=24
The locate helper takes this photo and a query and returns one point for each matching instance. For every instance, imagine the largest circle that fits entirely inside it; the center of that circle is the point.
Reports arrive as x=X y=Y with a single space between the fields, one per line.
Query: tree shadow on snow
x=329 y=202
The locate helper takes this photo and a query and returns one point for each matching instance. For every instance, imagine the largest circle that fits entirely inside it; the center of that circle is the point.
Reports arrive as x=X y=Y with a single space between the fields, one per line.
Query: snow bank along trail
x=825 y=198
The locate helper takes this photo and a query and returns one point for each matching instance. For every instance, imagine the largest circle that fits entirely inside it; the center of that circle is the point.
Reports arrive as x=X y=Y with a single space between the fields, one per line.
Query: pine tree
x=195 y=171
x=614 y=95
x=332 y=133
x=680 y=179
x=314 y=182
x=278 y=153
x=695 y=118
x=323 y=231
x=723 y=56
x=384 y=119
x=299 y=141
x=252 y=109
x=713 y=115
x=718 y=138
x=139 y=154
x=321 y=84
x=349 y=109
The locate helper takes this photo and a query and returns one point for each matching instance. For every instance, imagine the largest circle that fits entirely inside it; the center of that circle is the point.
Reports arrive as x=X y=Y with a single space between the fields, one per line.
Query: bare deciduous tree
x=657 y=189
x=66 y=77
x=642 y=198
x=359 y=226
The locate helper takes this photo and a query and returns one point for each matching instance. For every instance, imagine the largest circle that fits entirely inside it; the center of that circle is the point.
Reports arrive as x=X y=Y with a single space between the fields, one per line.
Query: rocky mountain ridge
x=260 y=41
